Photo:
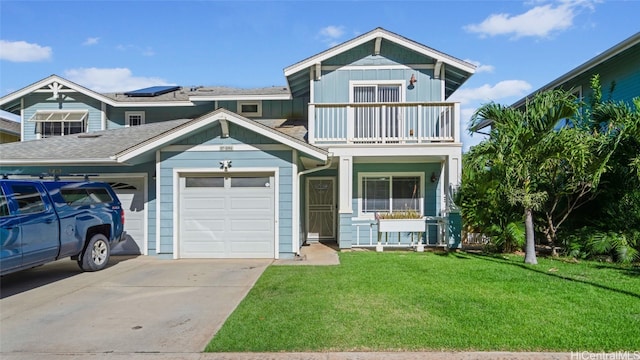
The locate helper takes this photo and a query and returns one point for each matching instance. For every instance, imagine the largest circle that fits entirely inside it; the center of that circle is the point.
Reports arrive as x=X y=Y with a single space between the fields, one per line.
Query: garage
x=130 y=191
x=227 y=215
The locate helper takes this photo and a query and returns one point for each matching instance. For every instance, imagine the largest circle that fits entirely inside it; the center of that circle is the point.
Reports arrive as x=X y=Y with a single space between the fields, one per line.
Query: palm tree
x=517 y=146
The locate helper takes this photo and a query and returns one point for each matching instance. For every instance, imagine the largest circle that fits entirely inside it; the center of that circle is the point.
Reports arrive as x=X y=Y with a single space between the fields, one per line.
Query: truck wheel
x=96 y=255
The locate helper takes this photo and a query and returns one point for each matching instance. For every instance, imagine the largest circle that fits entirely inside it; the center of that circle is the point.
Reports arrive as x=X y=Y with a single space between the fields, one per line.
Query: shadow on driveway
x=30 y=279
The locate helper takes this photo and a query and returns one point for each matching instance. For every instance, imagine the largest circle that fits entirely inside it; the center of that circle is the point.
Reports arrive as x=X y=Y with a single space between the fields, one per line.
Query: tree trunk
x=530 y=247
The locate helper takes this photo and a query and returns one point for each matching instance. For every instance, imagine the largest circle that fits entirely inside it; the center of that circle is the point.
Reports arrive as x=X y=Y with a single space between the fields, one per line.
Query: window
x=369 y=121
x=389 y=193
x=204 y=182
x=85 y=196
x=59 y=122
x=28 y=199
x=134 y=118
x=250 y=108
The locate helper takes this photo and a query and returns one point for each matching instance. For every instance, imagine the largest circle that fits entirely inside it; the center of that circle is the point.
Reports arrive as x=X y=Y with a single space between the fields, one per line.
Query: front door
x=321 y=209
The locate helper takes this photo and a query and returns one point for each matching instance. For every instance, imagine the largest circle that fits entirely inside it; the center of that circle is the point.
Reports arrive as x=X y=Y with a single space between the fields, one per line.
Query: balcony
x=384 y=123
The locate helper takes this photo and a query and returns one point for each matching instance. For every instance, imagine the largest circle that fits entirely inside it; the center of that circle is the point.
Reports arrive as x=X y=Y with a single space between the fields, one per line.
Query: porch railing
x=380 y=123
x=366 y=235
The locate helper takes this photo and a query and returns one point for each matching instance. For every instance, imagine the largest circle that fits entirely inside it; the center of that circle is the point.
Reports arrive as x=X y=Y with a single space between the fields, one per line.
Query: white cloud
x=486 y=92
x=111 y=80
x=330 y=35
x=480 y=68
x=22 y=51
x=540 y=21
x=91 y=41
x=332 y=31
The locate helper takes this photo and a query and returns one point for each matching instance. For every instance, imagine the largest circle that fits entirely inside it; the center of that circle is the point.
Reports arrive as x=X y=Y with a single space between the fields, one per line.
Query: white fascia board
x=219 y=114
x=37 y=87
x=240 y=97
x=59 y=162
x=439 y=149
x=378 y=33
x=277 y=137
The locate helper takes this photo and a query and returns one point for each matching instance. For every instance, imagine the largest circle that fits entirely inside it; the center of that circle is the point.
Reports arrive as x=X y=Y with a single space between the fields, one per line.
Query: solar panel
x=152 y=91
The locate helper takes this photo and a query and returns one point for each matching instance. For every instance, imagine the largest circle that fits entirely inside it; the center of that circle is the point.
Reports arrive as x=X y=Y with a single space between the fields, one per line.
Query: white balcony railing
x=379 y=123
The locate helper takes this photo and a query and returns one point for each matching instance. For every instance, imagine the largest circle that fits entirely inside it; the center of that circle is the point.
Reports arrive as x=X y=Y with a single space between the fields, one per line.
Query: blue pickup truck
x=43 y=221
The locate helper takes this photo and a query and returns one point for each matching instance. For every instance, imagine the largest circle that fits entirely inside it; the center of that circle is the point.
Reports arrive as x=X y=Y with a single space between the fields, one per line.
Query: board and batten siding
x=73 y=101
x=243 y=158
x=116 y=115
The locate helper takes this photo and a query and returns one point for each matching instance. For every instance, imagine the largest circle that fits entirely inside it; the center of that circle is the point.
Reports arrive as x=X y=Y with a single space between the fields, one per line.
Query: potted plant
x=400 y=221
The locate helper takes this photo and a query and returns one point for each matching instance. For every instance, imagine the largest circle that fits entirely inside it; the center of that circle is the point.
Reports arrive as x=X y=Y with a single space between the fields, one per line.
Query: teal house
x=361 y=129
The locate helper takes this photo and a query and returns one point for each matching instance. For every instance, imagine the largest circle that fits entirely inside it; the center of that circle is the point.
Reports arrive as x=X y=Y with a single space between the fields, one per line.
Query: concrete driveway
x=136 y=305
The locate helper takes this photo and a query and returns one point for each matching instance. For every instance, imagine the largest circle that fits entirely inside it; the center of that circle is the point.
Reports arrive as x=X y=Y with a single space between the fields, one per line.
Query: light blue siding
x=281 y=159
x=116 y=116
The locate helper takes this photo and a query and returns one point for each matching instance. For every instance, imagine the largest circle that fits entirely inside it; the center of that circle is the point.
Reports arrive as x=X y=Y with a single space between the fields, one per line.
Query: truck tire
x=96 y=254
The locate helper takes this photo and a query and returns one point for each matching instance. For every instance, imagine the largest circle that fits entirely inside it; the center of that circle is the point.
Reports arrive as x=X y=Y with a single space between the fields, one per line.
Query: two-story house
x=361 y=128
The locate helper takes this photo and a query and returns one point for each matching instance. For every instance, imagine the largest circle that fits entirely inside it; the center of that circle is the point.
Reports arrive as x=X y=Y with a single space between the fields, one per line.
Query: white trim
x=158 y=200
x=372 y=35
x=345 y=186
x=239 y=97
x=257 y=103
x=390 y=174
x=229 y=116
x=103 y=116
x=402 y=84
x=180 y=172
x=295 y=202
x=378 y=67
x=129 y=114
x=72 y=87
x=223 y=147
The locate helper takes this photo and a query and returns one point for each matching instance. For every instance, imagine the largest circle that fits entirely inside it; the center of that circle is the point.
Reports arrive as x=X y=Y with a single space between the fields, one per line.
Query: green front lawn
x=427 y=301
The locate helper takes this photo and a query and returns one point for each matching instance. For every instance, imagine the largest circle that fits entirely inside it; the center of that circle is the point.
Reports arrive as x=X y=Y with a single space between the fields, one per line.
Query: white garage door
x=227 y=216
x=131 y=194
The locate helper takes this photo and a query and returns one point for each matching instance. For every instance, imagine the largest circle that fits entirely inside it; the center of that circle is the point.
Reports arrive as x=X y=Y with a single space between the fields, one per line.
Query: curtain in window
x=389 y=194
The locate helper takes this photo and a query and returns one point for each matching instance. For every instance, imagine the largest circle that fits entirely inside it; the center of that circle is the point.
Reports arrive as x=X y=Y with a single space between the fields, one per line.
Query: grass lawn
x=426 y=301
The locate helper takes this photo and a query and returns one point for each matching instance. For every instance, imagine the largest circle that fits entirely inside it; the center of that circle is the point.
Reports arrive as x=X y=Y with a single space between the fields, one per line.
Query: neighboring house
x=363 y=127
x=9 y=131
x=618 y=66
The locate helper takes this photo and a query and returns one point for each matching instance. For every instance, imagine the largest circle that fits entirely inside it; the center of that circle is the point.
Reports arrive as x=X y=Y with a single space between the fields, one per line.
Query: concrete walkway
x=315 y=253
x=311 y=356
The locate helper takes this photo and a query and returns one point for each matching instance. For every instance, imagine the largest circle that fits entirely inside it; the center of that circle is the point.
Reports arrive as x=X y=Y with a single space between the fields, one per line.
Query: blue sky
x=107 y=46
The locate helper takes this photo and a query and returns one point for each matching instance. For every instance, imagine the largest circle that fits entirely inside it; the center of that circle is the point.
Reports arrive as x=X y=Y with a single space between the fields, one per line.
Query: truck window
x=85 y=196
x=4 y=207
x=28 y=198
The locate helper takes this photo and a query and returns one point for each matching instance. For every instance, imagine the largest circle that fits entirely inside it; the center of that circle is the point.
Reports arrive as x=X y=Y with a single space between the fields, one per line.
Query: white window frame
x=401 y=83
x=257 y=103
x=129 y=114
x=362 y=175
x=62 y=117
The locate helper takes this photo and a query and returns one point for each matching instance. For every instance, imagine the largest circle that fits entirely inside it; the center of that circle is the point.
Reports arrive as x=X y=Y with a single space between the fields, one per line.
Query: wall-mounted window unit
x=59 y=122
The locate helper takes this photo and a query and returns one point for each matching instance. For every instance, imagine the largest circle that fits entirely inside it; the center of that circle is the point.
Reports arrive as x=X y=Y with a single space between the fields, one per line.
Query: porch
x=435 y=234
x=383 y=123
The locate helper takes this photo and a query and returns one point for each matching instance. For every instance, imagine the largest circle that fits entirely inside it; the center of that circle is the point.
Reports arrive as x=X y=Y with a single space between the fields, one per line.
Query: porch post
x=345 y=208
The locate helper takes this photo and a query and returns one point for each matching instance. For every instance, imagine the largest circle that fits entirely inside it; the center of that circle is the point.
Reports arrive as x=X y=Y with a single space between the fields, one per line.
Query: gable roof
x=9 y=126
x=124 y=145
x=586 y=67
x=458 y=71
x=180 y=97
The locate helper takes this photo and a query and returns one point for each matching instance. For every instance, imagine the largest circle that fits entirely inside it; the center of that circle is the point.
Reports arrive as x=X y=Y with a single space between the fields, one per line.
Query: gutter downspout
x=326 y=165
